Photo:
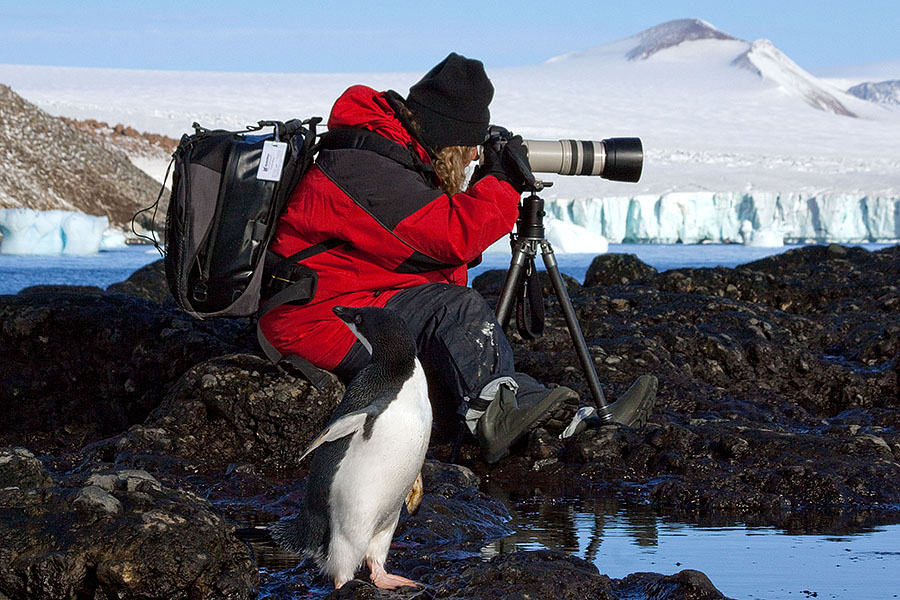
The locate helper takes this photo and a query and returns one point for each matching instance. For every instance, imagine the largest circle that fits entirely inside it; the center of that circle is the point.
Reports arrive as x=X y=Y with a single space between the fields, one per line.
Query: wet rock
x=65 y=536
x=490 y=283
x=618 y=269
x=148 y=283
x=238 y=410
x=78 y=367
x=19 y=467
x=540 y=574
x=753 y=380
x=778 y=404
x=547 y=574
x=684 y=585
x=454 y=513
x=454 y=521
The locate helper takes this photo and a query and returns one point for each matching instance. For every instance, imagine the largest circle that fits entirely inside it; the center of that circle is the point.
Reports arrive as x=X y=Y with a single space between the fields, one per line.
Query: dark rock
x=72 y=289
x=78 y=367
x=758 y=366
x=490 y=284
x=19 y=467
x=148 y=283
x=684 y=585
x=114 y=534
x=778 y=404
x=234 y=410
x=454 y=514
x=618 y=269
x=454 y=521
x=539 y=574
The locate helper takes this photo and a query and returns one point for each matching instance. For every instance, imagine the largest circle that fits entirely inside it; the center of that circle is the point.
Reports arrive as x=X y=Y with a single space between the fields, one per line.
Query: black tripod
x=525 y=241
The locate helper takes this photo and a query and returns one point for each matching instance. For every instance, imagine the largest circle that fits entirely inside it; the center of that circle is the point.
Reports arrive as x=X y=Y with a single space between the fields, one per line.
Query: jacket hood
x=361 y=107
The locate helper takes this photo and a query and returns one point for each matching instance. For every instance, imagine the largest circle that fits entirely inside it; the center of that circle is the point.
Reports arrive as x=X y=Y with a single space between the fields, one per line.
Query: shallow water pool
x=742 y=562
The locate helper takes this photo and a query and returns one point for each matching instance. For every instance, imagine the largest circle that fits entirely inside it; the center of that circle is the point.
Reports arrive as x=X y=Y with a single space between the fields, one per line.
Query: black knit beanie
x=450 y=103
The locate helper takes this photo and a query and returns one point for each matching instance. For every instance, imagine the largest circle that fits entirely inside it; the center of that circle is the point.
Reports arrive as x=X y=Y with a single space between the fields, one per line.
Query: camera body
x=617 y=159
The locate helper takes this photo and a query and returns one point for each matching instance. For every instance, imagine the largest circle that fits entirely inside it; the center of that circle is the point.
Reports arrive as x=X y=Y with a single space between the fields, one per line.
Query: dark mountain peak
x=882 y=92
x=671 y=34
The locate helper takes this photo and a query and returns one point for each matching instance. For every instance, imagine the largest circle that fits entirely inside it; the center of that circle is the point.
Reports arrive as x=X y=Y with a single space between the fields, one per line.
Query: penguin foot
x=388 y=581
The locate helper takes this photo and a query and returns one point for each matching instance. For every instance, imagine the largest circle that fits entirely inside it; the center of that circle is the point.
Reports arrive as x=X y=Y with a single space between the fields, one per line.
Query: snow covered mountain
x=884 y=92
x=769 y=63
x=671 y=34
x=761 y=58
x=728 y=126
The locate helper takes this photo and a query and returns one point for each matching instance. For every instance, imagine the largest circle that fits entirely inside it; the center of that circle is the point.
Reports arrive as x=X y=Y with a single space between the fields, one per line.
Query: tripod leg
x=521 y=250
x=584 y=356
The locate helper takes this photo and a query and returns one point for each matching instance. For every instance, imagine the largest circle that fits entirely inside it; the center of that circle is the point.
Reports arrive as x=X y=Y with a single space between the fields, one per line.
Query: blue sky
x=372 y=36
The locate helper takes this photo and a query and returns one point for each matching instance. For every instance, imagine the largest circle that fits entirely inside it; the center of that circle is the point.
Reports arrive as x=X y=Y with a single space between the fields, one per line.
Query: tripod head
x=530 y=223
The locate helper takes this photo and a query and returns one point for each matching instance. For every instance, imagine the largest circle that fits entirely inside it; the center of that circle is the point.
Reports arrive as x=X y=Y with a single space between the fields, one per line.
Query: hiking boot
x=633 y=408
x=505 y=420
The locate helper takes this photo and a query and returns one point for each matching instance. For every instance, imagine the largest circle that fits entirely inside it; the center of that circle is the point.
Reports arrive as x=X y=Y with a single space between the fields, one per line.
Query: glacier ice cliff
x=694 y=217
x=27 y=231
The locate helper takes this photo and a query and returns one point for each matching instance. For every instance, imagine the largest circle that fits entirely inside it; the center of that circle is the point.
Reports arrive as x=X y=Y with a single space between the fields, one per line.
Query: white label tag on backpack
x=271 y=161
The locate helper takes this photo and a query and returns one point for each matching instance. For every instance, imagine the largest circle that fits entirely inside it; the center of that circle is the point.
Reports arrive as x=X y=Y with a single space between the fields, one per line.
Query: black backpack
x=228 y=191
x=222 y=217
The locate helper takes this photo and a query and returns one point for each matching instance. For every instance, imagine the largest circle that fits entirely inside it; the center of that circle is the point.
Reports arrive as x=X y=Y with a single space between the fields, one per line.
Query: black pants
x=459 y=341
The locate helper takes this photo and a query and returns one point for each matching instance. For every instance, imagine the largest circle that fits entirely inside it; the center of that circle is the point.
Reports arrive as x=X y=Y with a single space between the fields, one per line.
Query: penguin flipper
x=346 y=425
x=414 y=497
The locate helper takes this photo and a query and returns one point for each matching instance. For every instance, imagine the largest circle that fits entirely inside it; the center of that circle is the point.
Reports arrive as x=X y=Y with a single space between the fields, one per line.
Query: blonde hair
x=450 y=165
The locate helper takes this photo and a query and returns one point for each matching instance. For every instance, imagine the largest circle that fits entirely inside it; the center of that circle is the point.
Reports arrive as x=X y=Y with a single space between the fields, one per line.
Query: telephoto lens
x=618 y=159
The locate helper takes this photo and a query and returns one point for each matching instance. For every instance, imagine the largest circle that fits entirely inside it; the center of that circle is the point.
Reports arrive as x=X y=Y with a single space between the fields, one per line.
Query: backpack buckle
x=200 y=292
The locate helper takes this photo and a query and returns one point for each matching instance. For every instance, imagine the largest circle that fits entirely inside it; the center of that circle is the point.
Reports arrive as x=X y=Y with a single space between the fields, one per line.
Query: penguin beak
x=349 y=315
x=344 y=313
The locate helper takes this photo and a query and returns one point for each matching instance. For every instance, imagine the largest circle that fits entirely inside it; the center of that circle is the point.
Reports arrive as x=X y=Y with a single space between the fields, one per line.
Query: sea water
x=104 y=268
x=743 y=562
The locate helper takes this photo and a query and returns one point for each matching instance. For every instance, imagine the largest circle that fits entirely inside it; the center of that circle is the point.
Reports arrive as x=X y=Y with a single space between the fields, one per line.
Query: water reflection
x=742 y=561
x=620 y=538
x=575 y=525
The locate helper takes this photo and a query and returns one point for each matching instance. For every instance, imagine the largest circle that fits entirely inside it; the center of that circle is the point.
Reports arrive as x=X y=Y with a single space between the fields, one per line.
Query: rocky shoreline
x=139 y=446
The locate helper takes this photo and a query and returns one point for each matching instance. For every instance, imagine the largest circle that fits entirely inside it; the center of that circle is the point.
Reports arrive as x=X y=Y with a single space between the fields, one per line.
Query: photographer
x=397 y=230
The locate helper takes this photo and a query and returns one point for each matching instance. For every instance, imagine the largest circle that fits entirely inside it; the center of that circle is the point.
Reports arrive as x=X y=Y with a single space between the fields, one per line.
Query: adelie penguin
x=367 y=460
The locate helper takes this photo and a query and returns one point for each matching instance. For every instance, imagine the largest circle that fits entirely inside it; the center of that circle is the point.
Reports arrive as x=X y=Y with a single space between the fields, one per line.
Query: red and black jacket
x=395 y=228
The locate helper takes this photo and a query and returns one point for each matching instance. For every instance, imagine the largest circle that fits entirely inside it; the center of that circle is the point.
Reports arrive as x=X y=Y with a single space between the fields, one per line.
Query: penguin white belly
x=376 y=474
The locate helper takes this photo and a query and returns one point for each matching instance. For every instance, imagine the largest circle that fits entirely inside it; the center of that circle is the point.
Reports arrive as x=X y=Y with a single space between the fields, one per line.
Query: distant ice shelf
x=691 y=218
x=27 y=231
x=584 y=225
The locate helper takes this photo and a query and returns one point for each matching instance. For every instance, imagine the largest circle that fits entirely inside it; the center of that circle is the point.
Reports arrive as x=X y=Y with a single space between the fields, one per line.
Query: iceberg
x=762 y=238
x=113 y=239
x=27 y=231
x=697 y=217
x=565 y=237
x=569 y=238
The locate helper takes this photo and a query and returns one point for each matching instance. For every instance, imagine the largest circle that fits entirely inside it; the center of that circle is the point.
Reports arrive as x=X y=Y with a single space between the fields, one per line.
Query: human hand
x=506 y=158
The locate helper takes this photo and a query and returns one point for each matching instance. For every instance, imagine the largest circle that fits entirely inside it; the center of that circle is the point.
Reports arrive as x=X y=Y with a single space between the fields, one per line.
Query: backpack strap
x=362 y=139
x=298 y=292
